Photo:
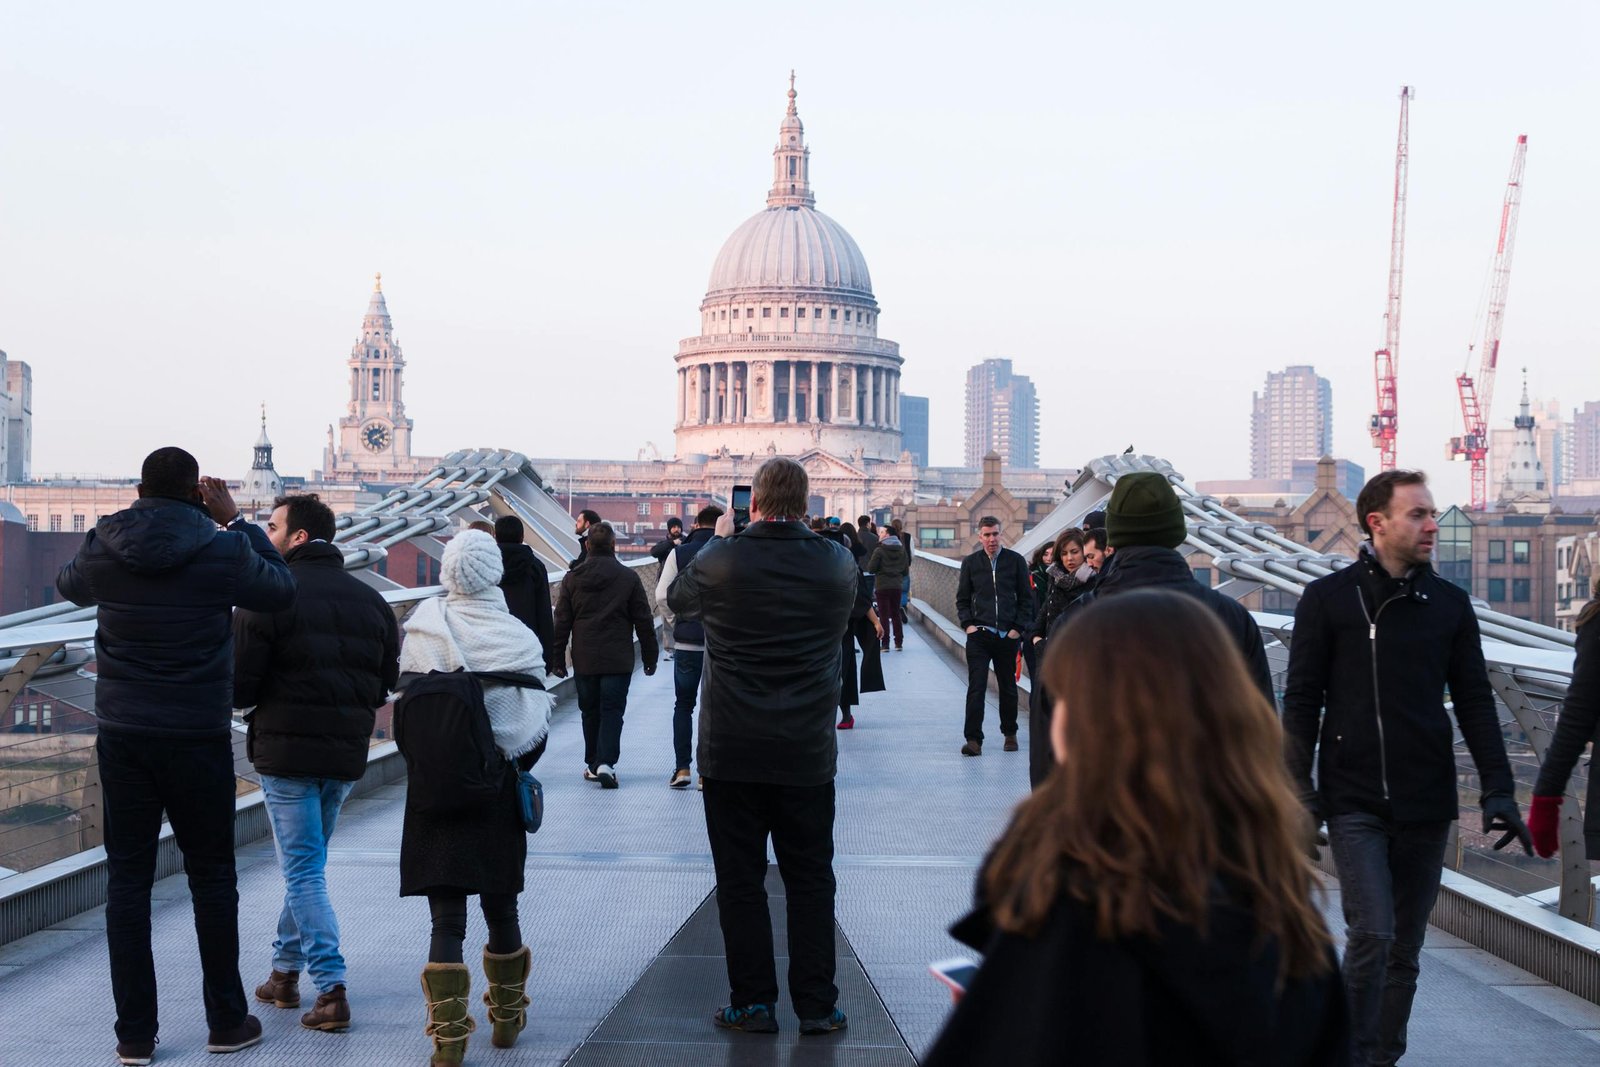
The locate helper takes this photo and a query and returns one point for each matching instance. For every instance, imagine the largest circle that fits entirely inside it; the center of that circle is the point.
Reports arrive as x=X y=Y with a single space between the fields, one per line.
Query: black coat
x=889 y=566
x=663 y=548
x=1060 y=590
x=1413 y=638
x=601 y=606
x=689 y=631
x=166 y=581
x=1578 y=724
x=1069 y=997
x=995 y=593
x=526 y=585
x=317 y=671
x=479 y=851
x=775 y=602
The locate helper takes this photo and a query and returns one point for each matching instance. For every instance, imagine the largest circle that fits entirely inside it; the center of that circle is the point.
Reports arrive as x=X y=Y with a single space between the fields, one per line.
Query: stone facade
x=949 y=527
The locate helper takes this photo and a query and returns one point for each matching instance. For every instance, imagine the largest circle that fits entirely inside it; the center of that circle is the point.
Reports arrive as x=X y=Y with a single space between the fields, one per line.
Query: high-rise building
x=1586 y=441
x=16 y=408
x=1002 y=415
x=914 y=427
x=1292 y=418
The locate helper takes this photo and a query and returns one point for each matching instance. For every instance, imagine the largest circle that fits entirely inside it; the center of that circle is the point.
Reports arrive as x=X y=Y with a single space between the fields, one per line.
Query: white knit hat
x=471 y=563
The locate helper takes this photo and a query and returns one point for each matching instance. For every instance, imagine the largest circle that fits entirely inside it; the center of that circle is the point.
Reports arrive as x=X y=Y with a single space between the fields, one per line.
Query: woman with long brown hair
x=1151 y=902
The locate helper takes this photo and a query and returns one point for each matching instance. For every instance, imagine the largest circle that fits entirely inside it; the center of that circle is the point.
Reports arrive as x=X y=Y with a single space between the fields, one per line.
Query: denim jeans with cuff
x=303 y=813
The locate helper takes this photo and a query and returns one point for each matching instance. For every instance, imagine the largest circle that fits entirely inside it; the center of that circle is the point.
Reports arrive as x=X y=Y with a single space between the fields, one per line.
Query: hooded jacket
x=526 y=585
x=1379 y=654
x=165 y=580
x=889 y=565
x=601 y=606
x=316 y=672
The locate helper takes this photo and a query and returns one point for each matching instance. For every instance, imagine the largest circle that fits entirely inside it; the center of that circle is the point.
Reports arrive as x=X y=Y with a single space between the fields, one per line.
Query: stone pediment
x=820 y=464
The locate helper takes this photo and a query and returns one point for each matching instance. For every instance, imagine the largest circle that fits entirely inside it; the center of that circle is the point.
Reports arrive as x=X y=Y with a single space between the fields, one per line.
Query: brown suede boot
x=507 y=996
x=446 y=985
x=280 y=988
x=331 y=1012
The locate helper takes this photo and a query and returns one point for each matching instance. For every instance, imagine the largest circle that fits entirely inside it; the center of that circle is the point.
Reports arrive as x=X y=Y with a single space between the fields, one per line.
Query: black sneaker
x=136 y=1053
x=751 y=1019
x=836 y=1020
x=235 y=1038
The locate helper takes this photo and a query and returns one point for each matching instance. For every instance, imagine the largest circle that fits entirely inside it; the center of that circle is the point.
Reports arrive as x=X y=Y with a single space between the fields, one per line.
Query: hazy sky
x=1147 y=207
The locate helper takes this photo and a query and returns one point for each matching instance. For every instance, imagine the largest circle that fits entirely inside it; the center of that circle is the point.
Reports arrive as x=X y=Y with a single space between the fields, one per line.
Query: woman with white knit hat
x=448 y=858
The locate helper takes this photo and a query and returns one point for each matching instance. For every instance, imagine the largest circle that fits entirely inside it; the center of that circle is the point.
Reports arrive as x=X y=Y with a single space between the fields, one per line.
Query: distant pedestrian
x=689 y=639
x=482 y=849
x=890 y=567
x=995 y=606
x=526 y=585
x=852 y=541
x=165 y=579
x=662 y=550
x=313 y=676
x=1179 y=927
x=581 y=526
x=1377 y=646
x=601 y=606
x=775 y=603
x=1577 y=725
x=867 y=533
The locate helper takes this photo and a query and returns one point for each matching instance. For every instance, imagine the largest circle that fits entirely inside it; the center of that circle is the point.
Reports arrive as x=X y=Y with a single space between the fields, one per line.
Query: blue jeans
x=687 y=667
x=303 y=813
x=602 y=700
x=1388 y=879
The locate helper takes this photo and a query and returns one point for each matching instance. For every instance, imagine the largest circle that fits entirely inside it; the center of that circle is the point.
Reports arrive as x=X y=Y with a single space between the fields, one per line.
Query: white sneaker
x=680 y=778
x=607 y=777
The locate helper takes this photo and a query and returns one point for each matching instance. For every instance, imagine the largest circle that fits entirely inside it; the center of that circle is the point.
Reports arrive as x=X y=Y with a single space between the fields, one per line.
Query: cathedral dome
x=790 y=247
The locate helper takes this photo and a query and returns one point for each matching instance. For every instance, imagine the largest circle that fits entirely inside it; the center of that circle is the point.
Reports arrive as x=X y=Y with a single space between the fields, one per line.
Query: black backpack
x=442 y=729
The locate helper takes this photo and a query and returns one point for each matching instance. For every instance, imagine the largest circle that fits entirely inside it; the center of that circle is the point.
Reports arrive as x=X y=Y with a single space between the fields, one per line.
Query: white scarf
x=477 y=633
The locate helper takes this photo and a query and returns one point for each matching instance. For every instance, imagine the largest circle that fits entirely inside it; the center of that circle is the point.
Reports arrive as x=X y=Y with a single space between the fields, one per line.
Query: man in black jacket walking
x=1374 y=648
x=313 y=675
x=688 y=642
x=775 y=601
x=165 y=579
x=994 y=600
x=526 y=585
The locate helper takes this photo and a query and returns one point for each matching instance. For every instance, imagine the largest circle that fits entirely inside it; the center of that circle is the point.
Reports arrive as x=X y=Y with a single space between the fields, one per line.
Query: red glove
x=1543 y=818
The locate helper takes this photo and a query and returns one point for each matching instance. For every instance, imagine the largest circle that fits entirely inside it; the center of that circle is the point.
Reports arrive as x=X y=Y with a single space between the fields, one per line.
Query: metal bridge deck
x=626 y=948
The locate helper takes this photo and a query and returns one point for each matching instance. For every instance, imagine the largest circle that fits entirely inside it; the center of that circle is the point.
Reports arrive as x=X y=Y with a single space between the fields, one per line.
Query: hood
x=698 y=535
x=518 y=563
x=157 y=534
x=316 y=552
x=890 y=541
x=1140 y=565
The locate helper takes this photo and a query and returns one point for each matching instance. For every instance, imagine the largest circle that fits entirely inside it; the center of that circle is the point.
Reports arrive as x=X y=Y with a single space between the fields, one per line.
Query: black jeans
x=687 y=667
x=192 y=781
x=739 y=816
x=602 y=699
x=984 y=650
x=1388 y=879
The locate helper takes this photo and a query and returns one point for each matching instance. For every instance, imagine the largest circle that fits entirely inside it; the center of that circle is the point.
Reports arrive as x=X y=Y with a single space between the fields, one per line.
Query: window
x=1497 y=590
x=1519 y=552
x=1497 y=551
x=936 y=536
x=847 y=315
x=735 y=313
x=725 y=314
x=766 y=313
x=833 y=314
x=79 y=522
x=1453 y=555
x=799 y=313
x=1203 y=576
x=783 y=313
x=816 y=313
x=644 y=508
x=1521 y=590
x=33 y=522
x=749 y=313
x=422 y=569
x=377 y=385
x=55 y=524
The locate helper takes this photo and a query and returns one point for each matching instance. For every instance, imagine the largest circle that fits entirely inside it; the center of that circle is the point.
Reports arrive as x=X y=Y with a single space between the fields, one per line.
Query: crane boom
x=1385 y=424
x=1477 y=394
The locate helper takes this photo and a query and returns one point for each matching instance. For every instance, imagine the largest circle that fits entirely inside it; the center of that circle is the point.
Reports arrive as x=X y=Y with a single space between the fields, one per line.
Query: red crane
x=1477 y=395
x=1385 y=424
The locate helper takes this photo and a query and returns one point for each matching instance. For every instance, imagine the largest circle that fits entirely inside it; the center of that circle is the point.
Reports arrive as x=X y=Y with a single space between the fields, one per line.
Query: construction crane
x=1385 y=424
x=1477 y=395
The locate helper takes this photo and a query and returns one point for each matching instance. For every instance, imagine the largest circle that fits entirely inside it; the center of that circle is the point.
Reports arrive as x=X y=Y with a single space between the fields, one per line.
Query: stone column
x=811 y=398
x=872 y=396
x=833 y=392
x=791 y=391
x=741 y=372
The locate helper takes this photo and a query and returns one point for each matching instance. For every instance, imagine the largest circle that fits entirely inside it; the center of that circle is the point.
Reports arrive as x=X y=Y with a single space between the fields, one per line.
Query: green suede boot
x=446 y=985
x=507 y=996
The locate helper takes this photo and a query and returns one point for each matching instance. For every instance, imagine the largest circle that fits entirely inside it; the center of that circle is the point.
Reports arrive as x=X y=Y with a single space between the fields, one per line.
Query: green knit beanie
x=1144 y=510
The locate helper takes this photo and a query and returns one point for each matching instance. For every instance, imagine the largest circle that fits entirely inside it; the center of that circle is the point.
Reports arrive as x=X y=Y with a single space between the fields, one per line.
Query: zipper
x=1377 y=700
x=994 y=580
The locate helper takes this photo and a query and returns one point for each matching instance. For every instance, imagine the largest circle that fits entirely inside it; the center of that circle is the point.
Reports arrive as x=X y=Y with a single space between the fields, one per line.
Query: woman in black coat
x=1151 y=903
x=1578 y=724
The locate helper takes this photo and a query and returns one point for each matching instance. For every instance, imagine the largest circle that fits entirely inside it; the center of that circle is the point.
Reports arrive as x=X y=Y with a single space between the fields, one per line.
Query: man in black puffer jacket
x=314 y=675
x=165 y=579
x=526 y=585
x=1145 y=525
x=994 y=602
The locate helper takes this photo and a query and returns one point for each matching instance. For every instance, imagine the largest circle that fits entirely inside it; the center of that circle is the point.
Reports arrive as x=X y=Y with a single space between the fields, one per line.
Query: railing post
x=92 y=812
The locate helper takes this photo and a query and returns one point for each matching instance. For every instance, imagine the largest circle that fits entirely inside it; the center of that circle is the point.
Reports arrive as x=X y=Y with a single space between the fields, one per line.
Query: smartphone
x=739 y=501
x=955 y=973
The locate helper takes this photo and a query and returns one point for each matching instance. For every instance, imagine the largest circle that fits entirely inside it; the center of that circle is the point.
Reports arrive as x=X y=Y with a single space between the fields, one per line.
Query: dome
x=790 y=247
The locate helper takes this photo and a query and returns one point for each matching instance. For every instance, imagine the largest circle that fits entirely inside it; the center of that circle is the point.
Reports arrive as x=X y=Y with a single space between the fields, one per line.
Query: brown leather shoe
x=972 y=748
x=331 y=1012
x=1011 y=742
x=282 y=989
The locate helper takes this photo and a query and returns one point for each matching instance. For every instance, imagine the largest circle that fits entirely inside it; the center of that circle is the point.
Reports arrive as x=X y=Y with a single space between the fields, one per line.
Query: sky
x=1145 y=207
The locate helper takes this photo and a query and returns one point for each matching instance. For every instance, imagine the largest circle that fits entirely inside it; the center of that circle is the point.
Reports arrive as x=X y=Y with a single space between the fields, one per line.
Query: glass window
x=55 y=524
x=816 y=313
x=33 y=522
x=1497 y=590
x=1497 y=551
x=847 y=316
x=735 y=312
x=1453 y=556
x=783 y=313
x=725 y=314
x=644 y=508
x=1203 y=576
x=1521 y=590
x=78 y=523
x=799 y=313
x=833 y=314
x=766 y=313
x=1519 y=551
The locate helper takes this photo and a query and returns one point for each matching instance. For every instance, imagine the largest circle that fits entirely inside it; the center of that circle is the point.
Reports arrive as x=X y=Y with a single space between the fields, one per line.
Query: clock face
x=375 y=436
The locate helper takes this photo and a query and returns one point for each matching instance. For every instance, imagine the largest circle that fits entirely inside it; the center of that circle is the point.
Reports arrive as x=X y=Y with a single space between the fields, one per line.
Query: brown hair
x=1379 y=490
x=779 y=488
x=602 y=540
x=1173 y=781
x=1070 y=536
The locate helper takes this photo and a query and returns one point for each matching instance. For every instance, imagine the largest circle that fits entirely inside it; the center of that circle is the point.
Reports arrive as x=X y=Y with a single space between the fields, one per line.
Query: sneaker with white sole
x=606 y=776
x=589 y=776
x=680 y=778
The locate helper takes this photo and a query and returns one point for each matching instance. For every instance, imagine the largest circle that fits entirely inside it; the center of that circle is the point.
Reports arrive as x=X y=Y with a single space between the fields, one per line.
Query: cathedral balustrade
x=800 y=342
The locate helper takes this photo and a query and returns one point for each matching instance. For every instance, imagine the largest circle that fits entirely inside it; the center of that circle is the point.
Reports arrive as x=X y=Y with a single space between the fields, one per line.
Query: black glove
x=649 y=669
x=1500 y=814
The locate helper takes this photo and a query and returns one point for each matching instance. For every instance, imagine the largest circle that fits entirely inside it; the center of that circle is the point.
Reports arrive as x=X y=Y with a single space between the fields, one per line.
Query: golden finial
x=377 y=282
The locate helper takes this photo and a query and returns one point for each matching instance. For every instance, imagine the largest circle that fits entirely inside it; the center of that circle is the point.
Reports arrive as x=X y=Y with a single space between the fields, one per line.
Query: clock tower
x=374 y=435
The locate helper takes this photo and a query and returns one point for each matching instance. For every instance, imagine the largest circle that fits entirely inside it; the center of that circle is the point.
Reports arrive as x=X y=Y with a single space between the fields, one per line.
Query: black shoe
x=235 y=1038
x=606 y=776
x=136 y=1053
x=836 y=1020
x=751 y=1019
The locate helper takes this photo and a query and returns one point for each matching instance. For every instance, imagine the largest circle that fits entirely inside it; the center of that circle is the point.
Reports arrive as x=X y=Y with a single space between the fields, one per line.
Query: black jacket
x=1578 y=724
x=1378 y=654
x=689 y=631
x=664 y=547
x=317 y=671
x=1183 y=999
x=601 y=606
x=526 y=585
x=995 y=593
x=1060 y=590
x=775 y=601
x=889 y=566
x=165 y=579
